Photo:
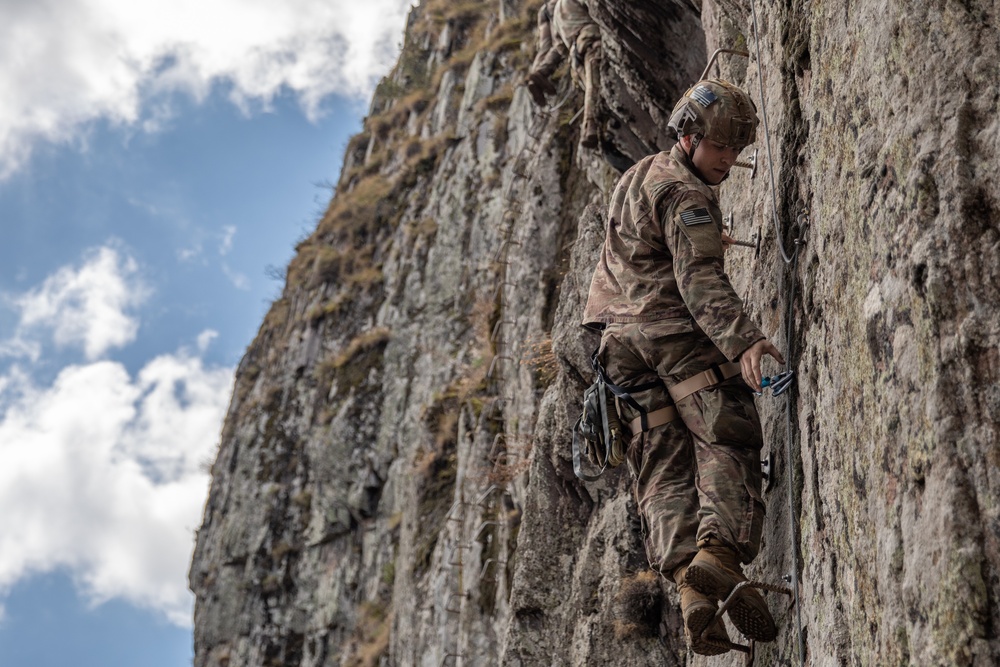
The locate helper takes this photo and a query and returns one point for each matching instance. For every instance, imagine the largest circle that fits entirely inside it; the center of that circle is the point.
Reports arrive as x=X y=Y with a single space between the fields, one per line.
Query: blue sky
x=158 y=160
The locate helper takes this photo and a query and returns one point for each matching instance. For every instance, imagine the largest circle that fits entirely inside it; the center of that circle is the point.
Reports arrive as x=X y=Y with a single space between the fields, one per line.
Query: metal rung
x=453 y=507
x=444 y=660
x=749 y=649
x=447 y=606
x=496 y=441
x=457 y=547
x=486 y=494
x=508 y=240
x=489 y=374
x=500 y=287
x=492 y=409
x=774 y=588
x=486 y=566
x=483 y=525
x=500 y=460
x=711 y=61
x=496 y=329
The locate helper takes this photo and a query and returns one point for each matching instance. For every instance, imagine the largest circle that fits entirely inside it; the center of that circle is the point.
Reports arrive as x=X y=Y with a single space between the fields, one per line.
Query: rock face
x=394 y=484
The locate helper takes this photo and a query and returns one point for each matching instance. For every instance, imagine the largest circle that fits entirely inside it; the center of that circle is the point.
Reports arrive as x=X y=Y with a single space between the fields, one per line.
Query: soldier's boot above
x=698 y=612
x=715 y=572
x=538 y=87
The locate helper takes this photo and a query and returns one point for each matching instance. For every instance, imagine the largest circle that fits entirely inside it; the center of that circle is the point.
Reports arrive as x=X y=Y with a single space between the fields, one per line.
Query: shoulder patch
x=696 y=216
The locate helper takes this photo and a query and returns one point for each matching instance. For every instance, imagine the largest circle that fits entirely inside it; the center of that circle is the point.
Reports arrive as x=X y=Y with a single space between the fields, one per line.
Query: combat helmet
x=716 y=110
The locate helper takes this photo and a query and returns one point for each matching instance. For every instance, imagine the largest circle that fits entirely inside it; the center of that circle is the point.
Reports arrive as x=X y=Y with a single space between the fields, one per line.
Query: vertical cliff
x=394 y=485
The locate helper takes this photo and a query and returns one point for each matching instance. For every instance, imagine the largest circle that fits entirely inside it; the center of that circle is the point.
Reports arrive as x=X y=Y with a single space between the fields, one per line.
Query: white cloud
x=239 y=280
x=65 y=63
x=226 y=244
x=101 y=476
x=86 y=306
x=101 y=471
x=189 y=254
x=205 y=339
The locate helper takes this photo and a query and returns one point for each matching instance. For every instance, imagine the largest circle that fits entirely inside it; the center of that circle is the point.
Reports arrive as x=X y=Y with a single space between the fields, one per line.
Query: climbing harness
x=601 y=426
x=713 y=376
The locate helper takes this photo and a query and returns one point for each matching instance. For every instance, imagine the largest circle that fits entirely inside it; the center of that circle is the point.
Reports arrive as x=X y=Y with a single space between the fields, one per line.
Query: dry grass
x=639 y=605
x=538 y=356
x=359 y=344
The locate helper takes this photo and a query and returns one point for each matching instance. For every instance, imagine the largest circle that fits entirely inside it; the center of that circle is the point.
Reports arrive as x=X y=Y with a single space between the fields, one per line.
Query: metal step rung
x=454 y=506
x=448 y=607
x=496 y=441
x=493 y=364
x=458 y=547
x=488 y=563
x=484 y=525
x=496 y=329
x=751 y=647
x=486 y=494
x=500 y=286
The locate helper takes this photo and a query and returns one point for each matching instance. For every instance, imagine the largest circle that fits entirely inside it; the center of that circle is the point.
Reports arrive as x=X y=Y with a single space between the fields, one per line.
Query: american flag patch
x=696 y=216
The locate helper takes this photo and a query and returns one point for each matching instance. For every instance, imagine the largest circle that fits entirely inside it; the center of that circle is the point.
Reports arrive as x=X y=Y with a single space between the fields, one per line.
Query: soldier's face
x=713 y=160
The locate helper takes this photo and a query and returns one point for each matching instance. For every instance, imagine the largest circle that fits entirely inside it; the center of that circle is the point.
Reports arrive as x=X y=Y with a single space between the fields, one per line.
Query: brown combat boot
x=698 y=612
x=539 y=87
x=715 y=572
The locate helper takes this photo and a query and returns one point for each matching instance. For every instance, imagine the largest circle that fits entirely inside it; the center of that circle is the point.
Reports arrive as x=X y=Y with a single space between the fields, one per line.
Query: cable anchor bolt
x=730 y=223
x=750 y=163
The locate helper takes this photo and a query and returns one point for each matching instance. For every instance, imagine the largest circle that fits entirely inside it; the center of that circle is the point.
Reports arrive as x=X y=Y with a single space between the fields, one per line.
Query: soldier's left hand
x=750 y=361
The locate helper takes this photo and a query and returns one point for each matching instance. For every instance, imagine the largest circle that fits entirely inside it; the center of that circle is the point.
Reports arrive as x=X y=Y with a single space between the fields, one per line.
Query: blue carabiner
x=778 y=383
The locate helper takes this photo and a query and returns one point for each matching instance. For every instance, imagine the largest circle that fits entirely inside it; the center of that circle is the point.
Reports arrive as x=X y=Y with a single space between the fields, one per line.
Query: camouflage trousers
x=697 y=477
x=585 y=64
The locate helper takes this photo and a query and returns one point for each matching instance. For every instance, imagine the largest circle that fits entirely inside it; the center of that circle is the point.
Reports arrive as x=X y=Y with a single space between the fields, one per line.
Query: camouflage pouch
x=605 y=438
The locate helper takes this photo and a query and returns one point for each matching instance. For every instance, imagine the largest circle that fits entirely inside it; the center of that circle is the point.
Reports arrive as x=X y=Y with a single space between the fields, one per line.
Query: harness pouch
x=605 y=438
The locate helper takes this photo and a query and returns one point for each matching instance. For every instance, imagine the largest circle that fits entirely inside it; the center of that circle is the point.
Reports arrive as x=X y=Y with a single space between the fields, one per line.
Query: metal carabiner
x=778 y=383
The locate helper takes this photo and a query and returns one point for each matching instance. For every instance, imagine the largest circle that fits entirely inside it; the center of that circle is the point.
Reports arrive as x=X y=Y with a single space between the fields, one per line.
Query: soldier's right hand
x=750 y=361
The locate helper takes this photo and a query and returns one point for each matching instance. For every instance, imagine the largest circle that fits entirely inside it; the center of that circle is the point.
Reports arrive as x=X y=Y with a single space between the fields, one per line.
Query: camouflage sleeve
x=693 y=232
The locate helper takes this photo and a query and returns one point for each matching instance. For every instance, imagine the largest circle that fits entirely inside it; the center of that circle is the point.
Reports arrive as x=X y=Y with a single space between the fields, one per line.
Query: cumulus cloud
x=88 y=306
x=102 y=471
x=65 y=63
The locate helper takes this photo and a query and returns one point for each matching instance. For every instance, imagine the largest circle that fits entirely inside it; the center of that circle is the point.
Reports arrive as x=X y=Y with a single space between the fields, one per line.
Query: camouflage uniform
x=668 y=311
x=577 y=35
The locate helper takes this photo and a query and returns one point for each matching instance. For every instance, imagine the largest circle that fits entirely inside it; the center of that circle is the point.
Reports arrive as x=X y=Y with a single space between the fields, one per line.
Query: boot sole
x=749 y=612
x=698 y=620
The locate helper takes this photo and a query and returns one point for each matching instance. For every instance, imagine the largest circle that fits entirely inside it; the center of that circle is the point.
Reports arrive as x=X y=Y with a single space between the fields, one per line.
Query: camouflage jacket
x=662 y=257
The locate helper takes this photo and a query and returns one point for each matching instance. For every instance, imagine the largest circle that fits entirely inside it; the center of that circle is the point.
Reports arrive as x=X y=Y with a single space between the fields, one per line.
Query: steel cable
x=789 y=322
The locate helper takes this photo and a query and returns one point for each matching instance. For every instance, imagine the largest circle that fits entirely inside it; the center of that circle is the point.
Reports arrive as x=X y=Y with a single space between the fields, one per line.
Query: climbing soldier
x=674 y=329
x=576 y=34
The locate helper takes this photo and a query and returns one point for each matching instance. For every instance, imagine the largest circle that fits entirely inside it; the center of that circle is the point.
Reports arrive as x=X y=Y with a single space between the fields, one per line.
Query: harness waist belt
x=713 y=375
x=654 y=419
